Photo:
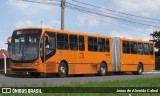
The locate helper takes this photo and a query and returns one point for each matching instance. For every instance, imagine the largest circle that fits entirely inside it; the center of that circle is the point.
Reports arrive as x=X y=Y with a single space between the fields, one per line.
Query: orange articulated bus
x=44 y=50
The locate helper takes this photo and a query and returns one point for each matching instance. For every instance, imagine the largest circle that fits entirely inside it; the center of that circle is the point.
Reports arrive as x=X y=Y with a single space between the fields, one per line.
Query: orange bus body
x=83 y=62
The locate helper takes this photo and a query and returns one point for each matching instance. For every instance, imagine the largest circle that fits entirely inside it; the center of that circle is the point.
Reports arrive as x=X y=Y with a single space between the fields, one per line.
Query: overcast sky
x=19 y=14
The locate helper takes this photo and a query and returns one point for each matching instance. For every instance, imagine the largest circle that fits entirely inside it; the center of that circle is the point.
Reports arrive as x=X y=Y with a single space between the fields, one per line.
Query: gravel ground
x=21 y=80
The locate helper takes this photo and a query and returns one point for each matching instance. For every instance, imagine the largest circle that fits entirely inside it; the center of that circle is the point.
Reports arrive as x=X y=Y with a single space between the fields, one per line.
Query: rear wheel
x=139 y=69
x=103 y=69
x=62 y=70
x=35 y=74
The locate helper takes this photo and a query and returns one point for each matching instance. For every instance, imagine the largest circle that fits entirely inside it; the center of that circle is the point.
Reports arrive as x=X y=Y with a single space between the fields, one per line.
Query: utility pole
x=62 y=13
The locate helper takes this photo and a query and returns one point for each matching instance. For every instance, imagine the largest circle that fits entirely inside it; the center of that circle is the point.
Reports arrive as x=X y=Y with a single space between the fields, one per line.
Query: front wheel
x=103 y=69
x=62 y=70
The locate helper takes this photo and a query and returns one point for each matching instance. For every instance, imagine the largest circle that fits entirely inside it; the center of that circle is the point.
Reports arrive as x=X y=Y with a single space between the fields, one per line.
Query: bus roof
x=82 y=33
x=65 y=31
x=134 y=40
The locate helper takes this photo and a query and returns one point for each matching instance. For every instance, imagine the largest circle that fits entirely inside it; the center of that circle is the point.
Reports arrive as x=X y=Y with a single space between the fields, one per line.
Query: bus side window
x=140 y=48
x=81 y=43
x=107 y=46
x=146 y=49
x=133 y=47
x=92 y=44
x=101 y=44
x=62 y=41
x=151 y=49
x=73 y=42
x=126 y=47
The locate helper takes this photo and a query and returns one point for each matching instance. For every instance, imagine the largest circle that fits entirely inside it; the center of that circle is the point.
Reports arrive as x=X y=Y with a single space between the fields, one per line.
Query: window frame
x=133 y=47
x=93 y=44
x=65 y=42
x=145 y=49
x=151 y=47
x=140 y=48
x=107 y=41
x=127 y=46
x=101 y=45
x=75 y=44
x=81 y=44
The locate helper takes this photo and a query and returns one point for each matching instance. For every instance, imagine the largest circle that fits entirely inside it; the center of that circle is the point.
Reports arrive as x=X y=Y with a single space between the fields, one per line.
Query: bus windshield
x=24 y=45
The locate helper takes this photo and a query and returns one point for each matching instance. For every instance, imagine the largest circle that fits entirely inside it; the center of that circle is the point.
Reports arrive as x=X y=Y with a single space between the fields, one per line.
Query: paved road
x=12 y=81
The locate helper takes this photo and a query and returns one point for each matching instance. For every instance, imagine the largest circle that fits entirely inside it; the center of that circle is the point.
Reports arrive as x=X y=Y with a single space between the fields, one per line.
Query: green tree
x=156 y=38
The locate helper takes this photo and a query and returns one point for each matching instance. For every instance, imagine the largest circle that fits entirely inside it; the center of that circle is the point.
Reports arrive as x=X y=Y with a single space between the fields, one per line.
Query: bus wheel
x=139 y=69
x=103 y=70
x=35 y=74
x=62 y=70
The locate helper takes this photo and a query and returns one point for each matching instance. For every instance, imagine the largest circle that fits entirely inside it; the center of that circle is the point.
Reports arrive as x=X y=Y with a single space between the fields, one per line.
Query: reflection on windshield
x=24 y=45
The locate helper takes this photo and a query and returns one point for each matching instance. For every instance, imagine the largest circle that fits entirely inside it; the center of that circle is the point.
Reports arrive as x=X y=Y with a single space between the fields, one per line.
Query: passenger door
x=50 y=50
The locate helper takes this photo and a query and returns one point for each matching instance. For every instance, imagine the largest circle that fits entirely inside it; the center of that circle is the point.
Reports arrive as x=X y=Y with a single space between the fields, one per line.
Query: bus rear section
x=133 y=56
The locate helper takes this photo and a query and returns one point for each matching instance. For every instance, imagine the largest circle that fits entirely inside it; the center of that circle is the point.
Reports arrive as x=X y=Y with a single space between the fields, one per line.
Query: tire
x=35 y=74
x=103 y=69
x=62 y=70
x=139 y=69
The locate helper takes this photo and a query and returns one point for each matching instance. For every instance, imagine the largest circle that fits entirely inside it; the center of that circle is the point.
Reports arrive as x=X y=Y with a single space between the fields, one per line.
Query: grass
x=145 y=82
x=142 y=82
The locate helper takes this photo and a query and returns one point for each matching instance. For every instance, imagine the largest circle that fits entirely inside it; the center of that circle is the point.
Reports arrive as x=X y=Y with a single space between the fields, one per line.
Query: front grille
x=22 y=65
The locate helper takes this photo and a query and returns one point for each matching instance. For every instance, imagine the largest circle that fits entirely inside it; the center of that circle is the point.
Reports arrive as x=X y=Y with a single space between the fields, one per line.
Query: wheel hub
x=140 y=70
x=103 y=70
x=62 y=69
